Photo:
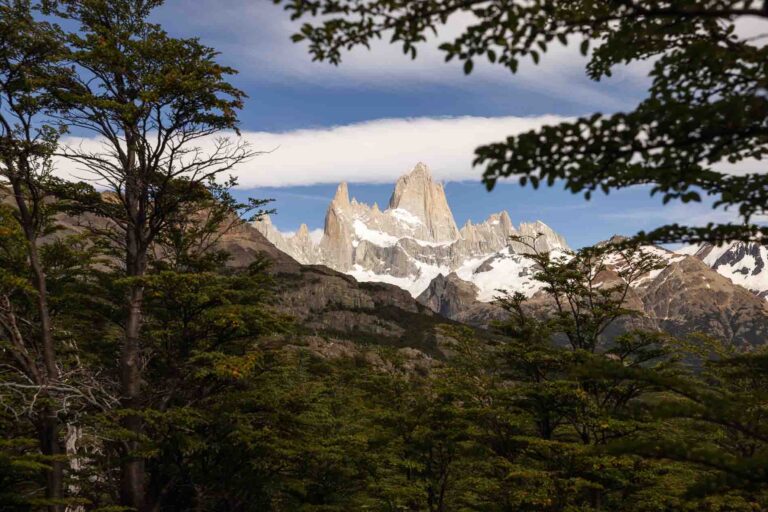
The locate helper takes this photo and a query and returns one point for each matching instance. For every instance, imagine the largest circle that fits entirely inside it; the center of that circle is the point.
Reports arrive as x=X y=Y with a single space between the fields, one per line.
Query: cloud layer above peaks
x=370 y=152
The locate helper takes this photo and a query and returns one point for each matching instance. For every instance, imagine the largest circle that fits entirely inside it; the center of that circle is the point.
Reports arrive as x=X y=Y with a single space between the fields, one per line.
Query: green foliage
x=236 y=419
x=589 y=288
x=20 y=466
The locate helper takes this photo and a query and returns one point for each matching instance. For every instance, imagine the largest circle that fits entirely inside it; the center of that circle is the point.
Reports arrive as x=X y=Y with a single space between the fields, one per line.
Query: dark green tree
x=30 y=64
x=153 y=101
x=714 y=421
x=25 y=399
x=549 y=398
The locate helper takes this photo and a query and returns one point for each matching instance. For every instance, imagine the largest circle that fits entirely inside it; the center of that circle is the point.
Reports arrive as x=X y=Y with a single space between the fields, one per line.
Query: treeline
x=139 y=372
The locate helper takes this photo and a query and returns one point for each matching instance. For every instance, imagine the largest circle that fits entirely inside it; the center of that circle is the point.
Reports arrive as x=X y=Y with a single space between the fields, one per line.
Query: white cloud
x=377 y=151
x=371 y=152
x=254 y=37
x=267 y=55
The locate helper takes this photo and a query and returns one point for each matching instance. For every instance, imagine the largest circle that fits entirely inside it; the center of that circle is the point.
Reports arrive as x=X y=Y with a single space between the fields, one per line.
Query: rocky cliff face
x=689 y=296
x=449 y=295
x=335 y=315
x=416 y=239
x=418 y=196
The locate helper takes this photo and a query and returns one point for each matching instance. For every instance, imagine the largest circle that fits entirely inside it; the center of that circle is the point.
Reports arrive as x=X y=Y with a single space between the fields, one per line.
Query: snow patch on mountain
x=504 y=272
x=363 y=232
x=404 y=216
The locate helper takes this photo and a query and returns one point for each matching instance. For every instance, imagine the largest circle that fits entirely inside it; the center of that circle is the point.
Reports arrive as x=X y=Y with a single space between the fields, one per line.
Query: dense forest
x=146 y=365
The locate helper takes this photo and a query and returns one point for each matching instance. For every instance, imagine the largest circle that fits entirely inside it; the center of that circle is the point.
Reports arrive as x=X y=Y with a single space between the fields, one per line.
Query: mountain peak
x=416 y=238
x=303 y=232
x=416 y=193
x=342 y=195
x=421 y=169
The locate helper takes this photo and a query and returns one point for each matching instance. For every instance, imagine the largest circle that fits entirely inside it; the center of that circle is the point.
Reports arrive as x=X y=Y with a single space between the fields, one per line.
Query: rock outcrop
x=689 y=296
x=418 y=195
x=449 y=295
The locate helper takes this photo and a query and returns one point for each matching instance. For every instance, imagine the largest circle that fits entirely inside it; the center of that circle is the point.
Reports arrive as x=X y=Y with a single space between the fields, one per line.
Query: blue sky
x=377 y=114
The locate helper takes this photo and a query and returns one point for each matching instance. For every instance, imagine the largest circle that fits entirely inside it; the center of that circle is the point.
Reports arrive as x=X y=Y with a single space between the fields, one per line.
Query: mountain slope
x=331 y=308
x=745 y=264
x=684 y=297
x=331 y=312
x=689 y=296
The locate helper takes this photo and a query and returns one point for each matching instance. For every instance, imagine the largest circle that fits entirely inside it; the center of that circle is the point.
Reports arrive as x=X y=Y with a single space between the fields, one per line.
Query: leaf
x=584 y=47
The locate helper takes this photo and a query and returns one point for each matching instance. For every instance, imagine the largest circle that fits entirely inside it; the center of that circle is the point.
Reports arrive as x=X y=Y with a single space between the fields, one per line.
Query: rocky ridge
x=415 y=244
x=415 y=239
x=335 y=315
x=745 y=264
x=684 y=297
x=331 y=314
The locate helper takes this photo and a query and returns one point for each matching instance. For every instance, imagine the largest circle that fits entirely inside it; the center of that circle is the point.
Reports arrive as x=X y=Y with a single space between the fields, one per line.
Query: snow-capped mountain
x=682 y=297
x=746 y=264
x=415 y=244
x=415 y=239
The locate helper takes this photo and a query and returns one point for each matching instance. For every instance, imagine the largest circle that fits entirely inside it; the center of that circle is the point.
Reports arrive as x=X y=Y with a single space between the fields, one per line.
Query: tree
x=30 y=64
x=707 y=101
x=589 y=287
x=152 y=101
x=714 y=421
x=568 y=389
x=28 y=403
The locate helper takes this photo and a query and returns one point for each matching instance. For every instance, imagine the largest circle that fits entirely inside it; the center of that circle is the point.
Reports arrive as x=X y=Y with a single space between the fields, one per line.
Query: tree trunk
x=50 y=445
x=133 y=478
x=48 y=429
x=49 y=436
x=132 y=485
x=132 y=482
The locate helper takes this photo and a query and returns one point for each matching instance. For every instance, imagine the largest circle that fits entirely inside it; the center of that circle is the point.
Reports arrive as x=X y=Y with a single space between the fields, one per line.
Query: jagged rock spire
x=413 y=239
x=418 y=194
x=303 y=232
x=342 y=195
